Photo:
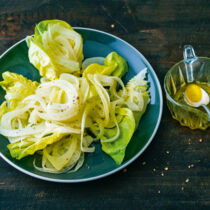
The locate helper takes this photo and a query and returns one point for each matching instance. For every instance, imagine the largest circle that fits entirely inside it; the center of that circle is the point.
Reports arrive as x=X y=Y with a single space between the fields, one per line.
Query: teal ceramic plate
x=97 y=164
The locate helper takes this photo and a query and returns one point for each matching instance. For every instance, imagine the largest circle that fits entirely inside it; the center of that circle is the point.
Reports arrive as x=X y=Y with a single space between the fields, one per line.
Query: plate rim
x=123 y=165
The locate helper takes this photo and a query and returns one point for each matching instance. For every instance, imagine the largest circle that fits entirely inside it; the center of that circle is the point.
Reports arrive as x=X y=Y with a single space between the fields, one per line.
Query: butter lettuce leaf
x=42 y=60
x=63 y=153
x=55 y=49
x=98 y=69
x=27 y=147
x=135 y=104
x=44 y=25
x=120 y=64
x=3 y=109
x=17 y=87
x=114 y=65
x=138 y=97
x=117 y=148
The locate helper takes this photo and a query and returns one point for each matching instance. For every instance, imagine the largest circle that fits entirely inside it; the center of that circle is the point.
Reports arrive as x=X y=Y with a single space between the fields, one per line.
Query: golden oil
x=179 y=96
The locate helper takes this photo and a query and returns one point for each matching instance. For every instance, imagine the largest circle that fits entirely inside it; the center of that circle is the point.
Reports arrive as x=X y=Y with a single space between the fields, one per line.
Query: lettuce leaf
x=41 y=59
x=17 y=87
x=138 y=97
x=98 y=69
x=55 y=49
x=27 y=147
x=136 y=101
x=114 y=65
x=3 y=109
x=63 y=153
x=120 y=64
x=117 y=148
x=44 y=25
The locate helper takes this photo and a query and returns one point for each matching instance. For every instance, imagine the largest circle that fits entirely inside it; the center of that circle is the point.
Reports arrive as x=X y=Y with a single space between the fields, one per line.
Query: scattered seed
x=162 y=174
x=182 y=188
x=158 y=191
x=187 y=180
x=200 y=140
x=154 y=169
x=166 y=168
x=125 y=170
x=167 y=152
x=112 y=25
x=144 y=163
x=189 y=141
x=10 y=18
x=129 y=11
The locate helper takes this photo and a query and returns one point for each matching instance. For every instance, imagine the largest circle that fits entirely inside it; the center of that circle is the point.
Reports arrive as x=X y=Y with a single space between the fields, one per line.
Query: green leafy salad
x=78 y=103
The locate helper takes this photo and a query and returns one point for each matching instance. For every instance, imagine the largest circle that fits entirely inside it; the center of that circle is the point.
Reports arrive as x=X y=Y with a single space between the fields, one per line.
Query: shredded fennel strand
x=65 y=106
x=64 y=114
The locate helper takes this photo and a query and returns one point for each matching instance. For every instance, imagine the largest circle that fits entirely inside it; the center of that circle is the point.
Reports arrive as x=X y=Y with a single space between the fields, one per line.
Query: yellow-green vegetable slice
x=64 y=114
x=55 y=49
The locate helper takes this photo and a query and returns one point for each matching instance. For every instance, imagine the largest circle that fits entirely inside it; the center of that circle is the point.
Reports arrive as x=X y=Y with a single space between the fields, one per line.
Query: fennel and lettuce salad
x=76 y=103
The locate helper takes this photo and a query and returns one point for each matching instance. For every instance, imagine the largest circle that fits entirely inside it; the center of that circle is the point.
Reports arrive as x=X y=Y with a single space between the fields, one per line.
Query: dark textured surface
x=159 y=30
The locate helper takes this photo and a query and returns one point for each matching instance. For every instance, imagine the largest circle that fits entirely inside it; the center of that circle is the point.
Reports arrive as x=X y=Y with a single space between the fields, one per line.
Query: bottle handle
x=207 y=111
x=189 y=59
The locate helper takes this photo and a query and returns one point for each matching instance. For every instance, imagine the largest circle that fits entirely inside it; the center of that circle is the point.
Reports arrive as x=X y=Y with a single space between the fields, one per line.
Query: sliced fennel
x=89 y=61
x=57 y=115
x=74 y=105
x=55 y=48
